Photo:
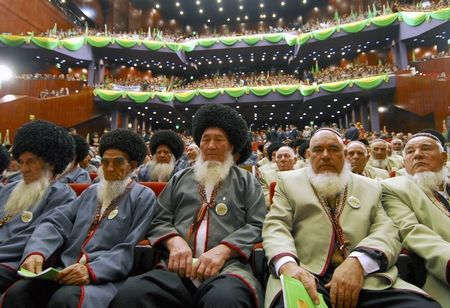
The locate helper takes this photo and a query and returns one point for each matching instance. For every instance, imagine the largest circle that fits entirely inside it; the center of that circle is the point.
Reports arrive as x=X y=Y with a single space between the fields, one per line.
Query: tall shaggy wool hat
x=81 y=148
x=245 y=152
x=5 y=158
x=168 y=138
x=225 y=118
x=50 y=142
x=273 y=148
x=125 y=141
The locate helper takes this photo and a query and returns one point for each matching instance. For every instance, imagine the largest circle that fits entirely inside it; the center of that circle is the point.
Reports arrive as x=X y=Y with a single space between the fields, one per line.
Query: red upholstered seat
x=79 y=187
x=93 y=175
x=272 y=191
x=157 y=187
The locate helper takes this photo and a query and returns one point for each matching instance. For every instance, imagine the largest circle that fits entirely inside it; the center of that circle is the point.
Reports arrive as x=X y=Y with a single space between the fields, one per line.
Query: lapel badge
x=113 y=214
x=221 y=209
x=354 y=202
x=27 y=216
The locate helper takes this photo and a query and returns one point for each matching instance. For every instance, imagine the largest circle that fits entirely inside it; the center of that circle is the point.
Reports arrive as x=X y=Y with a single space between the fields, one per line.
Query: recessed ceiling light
x=177 y=4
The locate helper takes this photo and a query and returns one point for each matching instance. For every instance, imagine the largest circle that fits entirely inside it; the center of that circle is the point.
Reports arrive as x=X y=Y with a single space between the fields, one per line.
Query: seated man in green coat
x=418 y=202
x=326 y=228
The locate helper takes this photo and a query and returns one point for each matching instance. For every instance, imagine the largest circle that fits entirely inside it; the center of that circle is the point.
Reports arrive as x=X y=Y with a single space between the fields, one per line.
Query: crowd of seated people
x=335 y=73
x=166 y=35
x=291 y=157
x=47 y=76
x=54 y=93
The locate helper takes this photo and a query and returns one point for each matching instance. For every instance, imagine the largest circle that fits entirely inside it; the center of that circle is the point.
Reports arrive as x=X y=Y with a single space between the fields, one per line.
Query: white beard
x=162 y=172
x=107 y=191
x=430 y=181
x=209 y=173
x=24 y=195
x=380 y=163
x=328 y=185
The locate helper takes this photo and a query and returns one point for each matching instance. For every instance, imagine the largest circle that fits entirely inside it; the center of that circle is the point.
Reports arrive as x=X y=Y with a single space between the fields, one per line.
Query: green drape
x=260 y=91
x=173 y=46
x=188 y=46
x=140 y=97
x=207 y=42
x=126 y=43
x=384 y=21
x=109 y=95
x=413 y=18
x=286 y=90
x=153 y=45
x=324 y=34
x=355 y=27
x=185 y=96
x=307 y=90
x=370 y=82
x=209 y=93
x=45 y=42
x=290 y=39
x=229 y=41
x=252 y=39
x=12 y=40
x=367 y=83
x=236 y=92
x=334 y=87
x=73 y=44
x=274 y=37
x=443 y=14
x=165 y=96
x=98 y=41
x=304 y=38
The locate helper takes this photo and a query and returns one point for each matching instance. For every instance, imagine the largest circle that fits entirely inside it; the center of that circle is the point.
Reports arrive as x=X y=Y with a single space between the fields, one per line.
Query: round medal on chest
x=354 y=202
x=221 y=209
x=113 y=214
x=27 y=216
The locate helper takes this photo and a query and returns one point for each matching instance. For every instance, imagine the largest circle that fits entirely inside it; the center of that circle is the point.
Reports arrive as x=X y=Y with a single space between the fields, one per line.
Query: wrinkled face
x=423 y=154
x=396 y=145
x=192 y=153
x=378 y=150
x=116 y=165
x=32 y=167
x=285 y=159
x=327 y=153
x=214 y=144
x=357 y=157
x=13 y=166
x=163 y=154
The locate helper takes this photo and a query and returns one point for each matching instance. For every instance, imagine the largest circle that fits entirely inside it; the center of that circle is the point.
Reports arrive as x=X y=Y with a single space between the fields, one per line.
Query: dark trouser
x=41 y=293
x=7 y=278
x=160 y=288
x=379 y=298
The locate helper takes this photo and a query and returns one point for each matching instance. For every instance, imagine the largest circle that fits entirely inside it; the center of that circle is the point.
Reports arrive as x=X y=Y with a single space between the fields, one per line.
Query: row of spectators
x=311 y=25
x=46 y=76
x=54 y=93
x=164 y=83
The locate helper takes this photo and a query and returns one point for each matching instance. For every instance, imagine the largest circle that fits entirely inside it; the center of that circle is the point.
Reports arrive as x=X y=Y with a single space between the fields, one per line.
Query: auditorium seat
x=93 y=175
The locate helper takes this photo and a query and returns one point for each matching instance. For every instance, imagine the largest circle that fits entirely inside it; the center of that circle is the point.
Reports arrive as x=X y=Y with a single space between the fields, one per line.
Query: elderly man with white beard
x=43 y=151
x=418 y=202
x=93 y=237
x=208 y=218
x=326 y=228
x=166 y=148
x=379 y=157
x=357 y=156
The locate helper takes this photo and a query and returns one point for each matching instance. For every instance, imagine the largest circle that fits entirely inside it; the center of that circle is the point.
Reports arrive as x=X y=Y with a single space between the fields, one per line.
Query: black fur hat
x=5 y=158
x=223 y=117
x=246 y=151
x=81 y=148
x=50 y=142
x=126 y=141
x=168 y=138
x=273 y=148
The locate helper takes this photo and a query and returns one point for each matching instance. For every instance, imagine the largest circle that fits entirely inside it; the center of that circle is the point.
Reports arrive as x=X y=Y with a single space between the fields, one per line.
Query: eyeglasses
x=117 y=161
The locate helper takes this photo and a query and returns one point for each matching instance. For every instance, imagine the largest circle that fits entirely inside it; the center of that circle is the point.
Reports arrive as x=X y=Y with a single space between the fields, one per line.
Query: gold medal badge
x=221 y=209
x=113 y=214
x=354 y=202
x=27 y=216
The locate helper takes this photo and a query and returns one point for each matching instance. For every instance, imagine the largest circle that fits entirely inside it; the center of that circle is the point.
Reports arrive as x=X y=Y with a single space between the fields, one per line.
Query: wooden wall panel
x=34 y=87
x=434 y=66
x=21 y=16
x=66 y=111
x=422 y=96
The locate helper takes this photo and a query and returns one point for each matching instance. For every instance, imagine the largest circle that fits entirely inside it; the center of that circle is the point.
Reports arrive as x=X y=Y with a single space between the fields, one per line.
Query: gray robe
x=77 y=175
x=109 y=250
x=15 y=234
x=239 y=228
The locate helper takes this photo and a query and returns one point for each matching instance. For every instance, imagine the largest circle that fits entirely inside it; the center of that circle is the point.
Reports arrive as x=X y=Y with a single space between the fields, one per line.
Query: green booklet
x=48 y=274
x=295 y=295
